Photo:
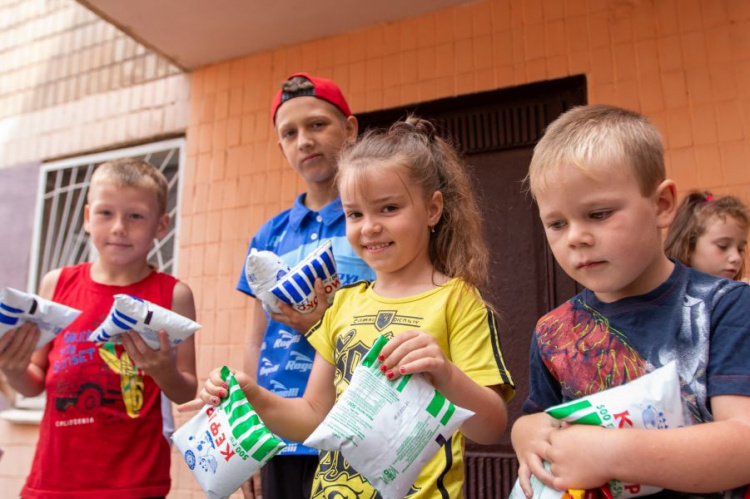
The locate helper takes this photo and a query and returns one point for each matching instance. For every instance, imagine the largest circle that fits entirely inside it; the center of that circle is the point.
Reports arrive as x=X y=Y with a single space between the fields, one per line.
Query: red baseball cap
x=324 y=89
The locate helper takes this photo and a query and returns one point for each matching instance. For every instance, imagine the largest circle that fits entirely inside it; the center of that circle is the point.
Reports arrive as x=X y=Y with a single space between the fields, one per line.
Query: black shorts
x=288 y=477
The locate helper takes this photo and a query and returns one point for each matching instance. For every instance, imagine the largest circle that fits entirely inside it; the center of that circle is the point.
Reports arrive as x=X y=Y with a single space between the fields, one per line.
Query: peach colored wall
x=685 y=64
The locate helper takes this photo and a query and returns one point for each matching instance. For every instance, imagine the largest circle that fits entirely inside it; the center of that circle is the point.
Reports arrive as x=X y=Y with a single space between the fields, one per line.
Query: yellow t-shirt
x=465 y=329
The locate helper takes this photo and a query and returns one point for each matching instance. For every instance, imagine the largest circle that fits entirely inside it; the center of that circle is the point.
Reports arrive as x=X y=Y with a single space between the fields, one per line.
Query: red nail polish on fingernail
x=402 y=370
x=224 y=385
x=215 y=400
x=382 y=368
x=222 y=394
x=381 y=358
x=389 y=375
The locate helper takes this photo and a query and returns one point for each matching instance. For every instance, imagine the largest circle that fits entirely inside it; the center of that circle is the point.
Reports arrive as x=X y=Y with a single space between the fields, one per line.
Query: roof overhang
x=196 y=33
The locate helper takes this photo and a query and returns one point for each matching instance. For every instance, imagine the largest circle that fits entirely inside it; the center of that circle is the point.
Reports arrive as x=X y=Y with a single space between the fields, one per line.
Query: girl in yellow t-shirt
x=413 y=218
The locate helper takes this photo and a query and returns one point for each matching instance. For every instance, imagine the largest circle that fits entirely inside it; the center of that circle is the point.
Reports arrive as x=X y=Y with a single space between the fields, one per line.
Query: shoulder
x=49 y=283
x=182 y=300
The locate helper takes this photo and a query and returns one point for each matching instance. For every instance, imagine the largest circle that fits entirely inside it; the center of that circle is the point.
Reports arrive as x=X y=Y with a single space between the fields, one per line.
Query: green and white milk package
x=651 y=402
x=17 y=307
x=225 y=445
x=388 y=430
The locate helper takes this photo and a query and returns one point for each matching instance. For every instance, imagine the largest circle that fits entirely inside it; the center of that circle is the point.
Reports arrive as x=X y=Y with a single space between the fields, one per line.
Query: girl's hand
x=215 y=389
x=530 y=437
x=156 y=363
x=416 y=351
x=17 y=346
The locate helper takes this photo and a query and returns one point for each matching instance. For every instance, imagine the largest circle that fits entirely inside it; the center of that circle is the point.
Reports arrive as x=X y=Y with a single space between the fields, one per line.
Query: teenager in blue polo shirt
x=313 y=122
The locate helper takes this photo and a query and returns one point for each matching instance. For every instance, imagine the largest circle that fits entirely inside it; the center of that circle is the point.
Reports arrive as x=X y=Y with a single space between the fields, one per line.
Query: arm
x=25 y=369
x=291 y=418
x=708 y=457
x=173 y=370
x=417 y=351
x=255 y=342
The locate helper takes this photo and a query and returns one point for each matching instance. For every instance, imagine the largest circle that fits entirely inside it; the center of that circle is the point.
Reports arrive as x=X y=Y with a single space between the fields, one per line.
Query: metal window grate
x=59 y=237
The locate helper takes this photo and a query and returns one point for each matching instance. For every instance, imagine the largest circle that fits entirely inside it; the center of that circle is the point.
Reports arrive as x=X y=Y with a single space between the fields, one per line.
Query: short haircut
x=592 y=136
x=132 y=172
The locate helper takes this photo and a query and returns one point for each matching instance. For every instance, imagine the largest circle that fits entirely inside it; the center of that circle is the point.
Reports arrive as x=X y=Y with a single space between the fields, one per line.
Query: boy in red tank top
x=101 y=433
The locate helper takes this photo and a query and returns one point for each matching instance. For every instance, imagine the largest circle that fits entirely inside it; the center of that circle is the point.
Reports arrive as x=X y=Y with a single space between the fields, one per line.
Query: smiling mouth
x=376 y=247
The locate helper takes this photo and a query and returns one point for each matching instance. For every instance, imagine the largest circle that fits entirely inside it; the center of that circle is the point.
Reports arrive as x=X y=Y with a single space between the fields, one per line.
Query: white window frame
x=93 y=160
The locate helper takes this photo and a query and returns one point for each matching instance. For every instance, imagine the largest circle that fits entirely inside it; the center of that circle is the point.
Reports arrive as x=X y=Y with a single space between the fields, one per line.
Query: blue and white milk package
x=263 y=269
x=146 y=319
x=225 y=445
x=651 y=402
x=297 y=287
x=17 y=307
x=388 y=430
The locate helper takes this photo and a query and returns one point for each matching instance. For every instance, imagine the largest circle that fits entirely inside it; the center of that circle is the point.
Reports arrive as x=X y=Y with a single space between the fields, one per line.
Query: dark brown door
x=496 y=132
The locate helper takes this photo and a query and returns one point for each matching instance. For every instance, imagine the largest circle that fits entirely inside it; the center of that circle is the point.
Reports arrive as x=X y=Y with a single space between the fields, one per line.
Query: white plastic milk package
x=263 y=269
x=17 y=307
x=388 y=430
x=297 y=287
x=146 y=319
x=225 y=445
x=652 y=401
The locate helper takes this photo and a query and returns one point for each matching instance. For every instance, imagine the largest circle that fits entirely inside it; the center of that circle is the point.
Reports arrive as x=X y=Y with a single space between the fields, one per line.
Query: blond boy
x=599 y=179
x=101 y=433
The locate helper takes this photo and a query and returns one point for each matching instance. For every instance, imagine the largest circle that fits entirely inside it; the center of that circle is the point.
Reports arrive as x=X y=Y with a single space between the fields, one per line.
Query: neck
x=320 y=195
x=408 y=282
x=116 y=275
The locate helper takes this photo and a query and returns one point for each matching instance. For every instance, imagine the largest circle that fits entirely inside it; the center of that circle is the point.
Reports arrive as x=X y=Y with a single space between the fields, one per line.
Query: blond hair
x=132 y=172
x=692 y=219
x=457 y=246
x=592 y=136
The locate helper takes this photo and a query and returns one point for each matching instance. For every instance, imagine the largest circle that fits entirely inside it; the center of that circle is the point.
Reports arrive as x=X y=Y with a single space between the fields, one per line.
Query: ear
x=162 y=227
x=87 y=219
x=435 y=208
x=666 y=203
x=351 y=128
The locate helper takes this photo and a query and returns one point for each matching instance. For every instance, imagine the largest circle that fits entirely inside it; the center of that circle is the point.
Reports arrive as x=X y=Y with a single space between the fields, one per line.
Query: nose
x=304 y=140
x=370 y=226
x=734 y=254
x=118 y=225
x=579 y=235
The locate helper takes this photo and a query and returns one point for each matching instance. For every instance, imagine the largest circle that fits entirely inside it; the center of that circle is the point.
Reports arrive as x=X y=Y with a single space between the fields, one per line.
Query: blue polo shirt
x=286 y=357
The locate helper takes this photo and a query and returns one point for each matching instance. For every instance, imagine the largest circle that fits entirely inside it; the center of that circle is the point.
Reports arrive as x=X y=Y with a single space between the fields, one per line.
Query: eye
x=103 y=212
x=556 y=225
x=288 y=133
x=390 y=208
x=353 y=215
x=722 y=246
x=137 y=216
x=317 y=125
x=600 y=214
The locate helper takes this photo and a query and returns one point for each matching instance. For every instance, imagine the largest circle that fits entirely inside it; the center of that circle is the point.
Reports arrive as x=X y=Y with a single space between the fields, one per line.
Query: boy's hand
x=17 y=346
x=155 y=363
x=215 y=389
x=251 y=489
x=530 y=437
x=579 y=456
x=416 y=351
x=303 y=322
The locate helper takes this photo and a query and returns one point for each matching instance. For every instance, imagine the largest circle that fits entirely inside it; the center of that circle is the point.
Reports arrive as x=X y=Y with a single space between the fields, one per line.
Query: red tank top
x=101 y=433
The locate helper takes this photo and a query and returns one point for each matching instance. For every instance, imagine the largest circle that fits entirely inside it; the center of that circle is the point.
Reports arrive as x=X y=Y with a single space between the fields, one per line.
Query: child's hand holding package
x=652 y=401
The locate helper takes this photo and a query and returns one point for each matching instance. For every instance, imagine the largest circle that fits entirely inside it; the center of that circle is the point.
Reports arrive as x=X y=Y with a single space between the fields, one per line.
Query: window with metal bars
x=60 y=239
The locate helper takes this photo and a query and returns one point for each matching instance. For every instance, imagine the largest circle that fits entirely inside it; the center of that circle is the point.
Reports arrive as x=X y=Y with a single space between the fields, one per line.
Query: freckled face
x=603 y=232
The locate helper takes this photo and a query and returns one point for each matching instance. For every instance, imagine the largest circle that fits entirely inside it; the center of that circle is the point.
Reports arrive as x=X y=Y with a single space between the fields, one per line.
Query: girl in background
x=710 y=234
